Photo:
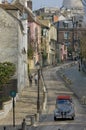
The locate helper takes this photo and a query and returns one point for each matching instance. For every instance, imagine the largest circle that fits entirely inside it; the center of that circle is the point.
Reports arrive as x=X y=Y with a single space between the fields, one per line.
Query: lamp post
x=75 y=24
x=74 y=37
x=38 y=95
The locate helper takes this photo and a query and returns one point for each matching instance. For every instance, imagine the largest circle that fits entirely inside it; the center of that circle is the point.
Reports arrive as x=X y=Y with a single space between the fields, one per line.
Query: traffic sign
x=13 y=93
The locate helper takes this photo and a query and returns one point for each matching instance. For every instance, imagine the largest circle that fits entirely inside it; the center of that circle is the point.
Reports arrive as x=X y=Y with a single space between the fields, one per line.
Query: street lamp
x=75 y=24
x=74 y=37
x=38 y=95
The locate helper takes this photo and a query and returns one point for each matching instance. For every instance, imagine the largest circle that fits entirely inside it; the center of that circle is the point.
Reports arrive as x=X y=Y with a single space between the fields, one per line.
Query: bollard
x=4 y=127
x=83 y=100
x=32 y=120
x=35 y=116
x=23 y=125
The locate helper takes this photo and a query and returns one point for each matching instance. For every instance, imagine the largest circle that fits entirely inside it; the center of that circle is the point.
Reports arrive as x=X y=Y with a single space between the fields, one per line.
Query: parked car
x=64 y=108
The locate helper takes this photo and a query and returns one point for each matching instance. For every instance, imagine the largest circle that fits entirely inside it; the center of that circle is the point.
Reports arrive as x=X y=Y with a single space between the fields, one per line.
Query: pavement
x=25 y=107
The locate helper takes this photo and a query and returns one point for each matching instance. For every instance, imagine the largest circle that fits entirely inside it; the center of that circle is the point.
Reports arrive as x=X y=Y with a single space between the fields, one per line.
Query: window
x=66 y=35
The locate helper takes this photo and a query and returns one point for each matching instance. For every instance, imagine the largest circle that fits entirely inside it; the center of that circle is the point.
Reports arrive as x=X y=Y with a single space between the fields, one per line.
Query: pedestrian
x=30 y=79
x=36 y=78
x=81 y=60
x=24 y=125
x=79 y=65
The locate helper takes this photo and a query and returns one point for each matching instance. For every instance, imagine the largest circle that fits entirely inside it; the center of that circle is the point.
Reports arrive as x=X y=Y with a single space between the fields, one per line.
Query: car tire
x=55 y=118
x=72 y=118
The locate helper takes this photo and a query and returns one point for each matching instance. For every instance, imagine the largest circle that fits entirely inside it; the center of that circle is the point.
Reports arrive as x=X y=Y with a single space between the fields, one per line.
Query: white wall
x=22 y=56
x=8 y=38
x=72 y=3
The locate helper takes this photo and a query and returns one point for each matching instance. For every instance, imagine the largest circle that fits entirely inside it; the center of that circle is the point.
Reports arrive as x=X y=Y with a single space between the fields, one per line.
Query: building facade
x=35 y=41
x=13 y=40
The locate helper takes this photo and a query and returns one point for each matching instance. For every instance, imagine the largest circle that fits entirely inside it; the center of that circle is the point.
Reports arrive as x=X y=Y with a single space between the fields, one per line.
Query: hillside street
x=27 y=104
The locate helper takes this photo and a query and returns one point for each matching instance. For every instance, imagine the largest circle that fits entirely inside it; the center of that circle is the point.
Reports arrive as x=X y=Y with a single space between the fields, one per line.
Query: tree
x=83 y=45
x=30 y=52
x=7 y=70
x=44 y=55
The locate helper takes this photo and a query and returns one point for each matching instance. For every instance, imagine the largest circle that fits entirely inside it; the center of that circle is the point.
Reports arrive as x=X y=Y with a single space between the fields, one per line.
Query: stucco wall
x=13 y=42
x=8 y=38
x=35 y=36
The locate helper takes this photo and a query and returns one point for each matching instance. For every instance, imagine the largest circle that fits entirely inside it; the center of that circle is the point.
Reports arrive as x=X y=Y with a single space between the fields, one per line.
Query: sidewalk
x=25 y=106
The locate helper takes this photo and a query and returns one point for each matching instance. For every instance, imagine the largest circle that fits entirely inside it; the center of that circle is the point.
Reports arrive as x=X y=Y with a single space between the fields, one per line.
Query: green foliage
x=7 y=70
x=5 y=98
x=44 y=55
x=70 y=49
x=83 y=45
x=28 y=69
x=30 y=52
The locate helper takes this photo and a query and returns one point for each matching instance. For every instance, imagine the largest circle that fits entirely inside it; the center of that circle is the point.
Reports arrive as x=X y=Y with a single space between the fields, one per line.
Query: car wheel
x=55 y=118
x=72 y=118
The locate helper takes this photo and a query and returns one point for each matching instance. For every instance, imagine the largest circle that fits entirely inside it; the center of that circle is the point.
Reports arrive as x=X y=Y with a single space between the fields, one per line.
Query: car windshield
x=63 y=101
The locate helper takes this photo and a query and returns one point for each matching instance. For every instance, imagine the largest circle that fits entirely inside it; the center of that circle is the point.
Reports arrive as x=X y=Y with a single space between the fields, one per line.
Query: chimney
x=29 y=4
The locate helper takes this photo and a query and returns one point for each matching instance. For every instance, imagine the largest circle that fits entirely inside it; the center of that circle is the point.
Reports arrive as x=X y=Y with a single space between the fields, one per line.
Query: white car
x=64 y=108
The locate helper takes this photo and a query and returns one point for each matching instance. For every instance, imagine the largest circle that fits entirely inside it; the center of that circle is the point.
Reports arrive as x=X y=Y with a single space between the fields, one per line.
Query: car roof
x=66 y=97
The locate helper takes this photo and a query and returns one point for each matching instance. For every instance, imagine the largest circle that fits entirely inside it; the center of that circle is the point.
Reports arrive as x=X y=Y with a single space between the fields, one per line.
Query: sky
x=45 y=3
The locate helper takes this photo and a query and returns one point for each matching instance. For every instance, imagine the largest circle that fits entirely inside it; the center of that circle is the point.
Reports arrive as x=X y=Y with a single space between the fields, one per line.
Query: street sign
x=13 y=93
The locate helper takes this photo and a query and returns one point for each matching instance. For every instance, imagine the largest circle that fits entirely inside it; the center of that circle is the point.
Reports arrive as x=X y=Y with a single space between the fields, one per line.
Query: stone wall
x=8 y=38
x=9 y=43
x=7 y=106
x=13 y=42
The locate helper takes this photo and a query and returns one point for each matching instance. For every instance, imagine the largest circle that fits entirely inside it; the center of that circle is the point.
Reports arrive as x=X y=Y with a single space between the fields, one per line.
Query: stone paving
x=26 y=105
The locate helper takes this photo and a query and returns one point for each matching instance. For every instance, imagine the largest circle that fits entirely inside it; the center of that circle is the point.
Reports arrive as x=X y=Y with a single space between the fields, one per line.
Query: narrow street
x=43 y=53
x=55 y=86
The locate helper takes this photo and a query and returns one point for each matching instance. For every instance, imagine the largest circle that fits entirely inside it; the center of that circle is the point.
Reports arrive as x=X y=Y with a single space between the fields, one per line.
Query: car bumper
x=64 y=116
